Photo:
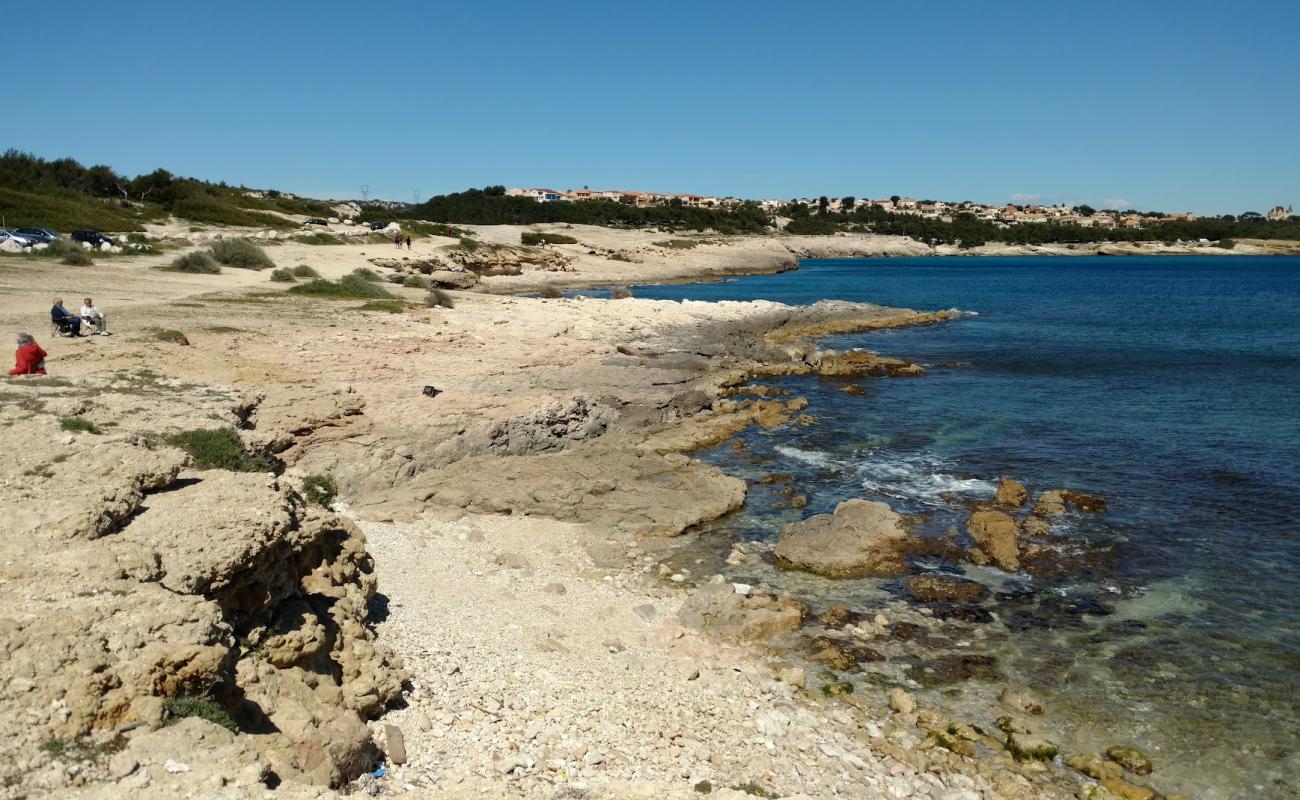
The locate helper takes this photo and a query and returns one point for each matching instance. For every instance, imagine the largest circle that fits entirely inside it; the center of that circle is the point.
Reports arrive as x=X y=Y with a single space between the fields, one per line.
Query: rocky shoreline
x=486 y=615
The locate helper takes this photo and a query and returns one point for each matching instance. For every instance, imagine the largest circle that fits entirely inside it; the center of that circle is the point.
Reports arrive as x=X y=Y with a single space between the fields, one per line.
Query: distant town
x=1008 y=214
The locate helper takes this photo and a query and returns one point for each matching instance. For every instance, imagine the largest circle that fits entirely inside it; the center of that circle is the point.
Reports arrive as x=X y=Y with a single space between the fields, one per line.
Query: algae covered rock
x=995 y=535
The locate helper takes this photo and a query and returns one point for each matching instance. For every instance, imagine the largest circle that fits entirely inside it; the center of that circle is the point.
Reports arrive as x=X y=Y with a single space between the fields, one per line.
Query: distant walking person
x=93 y=316
x=397 y=240
x=30 y=358
x=408 y=243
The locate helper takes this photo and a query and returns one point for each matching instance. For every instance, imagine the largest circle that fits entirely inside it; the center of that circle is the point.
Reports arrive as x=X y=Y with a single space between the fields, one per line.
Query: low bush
x=533 y=237
x=283 y=275
x=76 y=257
x=349 y=287
x=367 y=274
x=304 y=271
x=197 y=262
x=223 y=211
x=550 y=293
x=240 y=253
x=437 y=298
x=179 y=707
x=218 y=448
x=78 y=425
x=620 y=293
x=320 y=489
x=318 y=238
x=1227 y=244
x=415 y=282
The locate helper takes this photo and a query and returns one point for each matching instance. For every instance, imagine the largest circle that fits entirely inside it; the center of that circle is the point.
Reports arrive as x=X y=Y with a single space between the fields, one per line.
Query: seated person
x=65 y=319
x=93 y=316
x=30 y=358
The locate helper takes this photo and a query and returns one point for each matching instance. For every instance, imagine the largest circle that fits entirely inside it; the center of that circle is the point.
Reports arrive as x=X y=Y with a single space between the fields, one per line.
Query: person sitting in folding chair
x=63 y=320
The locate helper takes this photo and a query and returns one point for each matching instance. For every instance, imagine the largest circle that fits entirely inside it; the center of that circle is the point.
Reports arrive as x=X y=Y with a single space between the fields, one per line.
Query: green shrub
x=283 y=275
x=170 y=336
x=367 y=274
x=349 y=288
x=304 y=271
x=65 y=211
x=1227 y=244
x=680 y=244
x=387 y=306
x=218 y=448
x=437 y=298
x=197 y=262
x=415 y=282
x=223 y=211
x=550 y=293
x=240 y=253
x=320 y=489
x=78 y=425
x=467 y=243
x=179 y=707
x=533 y=237
x=620 y=293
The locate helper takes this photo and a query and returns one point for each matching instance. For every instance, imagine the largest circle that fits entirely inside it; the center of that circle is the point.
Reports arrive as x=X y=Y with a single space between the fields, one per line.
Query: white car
x=19 y=238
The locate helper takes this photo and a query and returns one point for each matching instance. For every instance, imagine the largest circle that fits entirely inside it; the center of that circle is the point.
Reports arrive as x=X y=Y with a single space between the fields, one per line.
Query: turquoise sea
x=1171 y=387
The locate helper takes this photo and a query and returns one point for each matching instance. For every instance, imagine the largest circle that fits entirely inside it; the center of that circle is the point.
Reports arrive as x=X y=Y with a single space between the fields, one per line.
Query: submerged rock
x=718 y=608
x=860 y=538
x=937 y=589
x=1130 y=758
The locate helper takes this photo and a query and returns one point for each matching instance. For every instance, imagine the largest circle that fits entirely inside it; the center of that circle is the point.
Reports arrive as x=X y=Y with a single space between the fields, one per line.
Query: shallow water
x=1170 y=386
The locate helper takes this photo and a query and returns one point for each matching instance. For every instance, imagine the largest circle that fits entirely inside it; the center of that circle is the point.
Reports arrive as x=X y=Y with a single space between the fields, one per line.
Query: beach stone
x=1011 y=493
x=937 y=589
x=995 y=534
x=1030 y=747
x=795 y=676
x=860 y=538
x=1130 y=758
x=901 y=702
x=394 y=744
x=1094 y=766
x=1090 y=503
x=1127 y=791
x=836 y=616
x=1019 y=699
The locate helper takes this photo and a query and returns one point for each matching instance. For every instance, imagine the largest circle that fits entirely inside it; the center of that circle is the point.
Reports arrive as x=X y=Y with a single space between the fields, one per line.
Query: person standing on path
x=397 y=240
x=408 y=243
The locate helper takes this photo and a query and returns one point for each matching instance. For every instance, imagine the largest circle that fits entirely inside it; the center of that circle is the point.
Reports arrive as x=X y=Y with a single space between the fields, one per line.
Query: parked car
x=93 y=238
x=22 y=239
x=43 y=234
x=378 y=226
x=315 y=221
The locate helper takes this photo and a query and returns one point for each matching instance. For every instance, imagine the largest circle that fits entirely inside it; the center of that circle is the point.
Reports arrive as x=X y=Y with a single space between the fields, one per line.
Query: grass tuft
x=367 y=274
x=219 y=448
x=283 y=275
x=349 y=287
x=320 y=489
x=386 y=306
x=415 y=282
x=550 y=293
x=437 y=298
x=304 y=271
x=170 y=336
x=534 y=237
x=78 y=425
x=179 y=707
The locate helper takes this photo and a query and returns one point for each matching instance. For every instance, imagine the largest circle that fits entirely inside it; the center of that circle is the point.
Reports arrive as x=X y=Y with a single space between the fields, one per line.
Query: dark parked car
x=314 y=221
x=93 y=238
x=378 y=226
x=44 y=234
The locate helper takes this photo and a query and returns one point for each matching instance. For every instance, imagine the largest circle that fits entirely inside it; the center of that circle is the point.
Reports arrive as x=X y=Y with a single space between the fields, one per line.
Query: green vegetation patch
x=179 y=707
x=65 y=211
x=534 y=237
x=283 y=275
x=170 y=336
x=198 y=262
x=680 y=244
x=437 y=298
x=319 y=238
x=550 y=293
x=367 y=274
x=304 y=271
x=416 y=282
x=78 y=425
x=240 y=253
x=386 y=306
x=349 y=287
x=224 y=211
x=218 y=448
x=320 y=489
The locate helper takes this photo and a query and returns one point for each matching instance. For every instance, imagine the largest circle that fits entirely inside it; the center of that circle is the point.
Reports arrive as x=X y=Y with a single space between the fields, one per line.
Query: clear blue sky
x=1185 y=105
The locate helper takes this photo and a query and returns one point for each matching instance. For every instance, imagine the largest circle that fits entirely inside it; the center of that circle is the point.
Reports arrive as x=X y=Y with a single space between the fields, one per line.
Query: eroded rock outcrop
x=860 y=538
x=136 y=590
x=718 y=608
x=996 y=539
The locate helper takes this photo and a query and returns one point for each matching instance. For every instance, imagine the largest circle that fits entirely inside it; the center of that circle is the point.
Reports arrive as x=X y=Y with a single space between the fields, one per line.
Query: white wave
x=918 y=478
x=814 y=457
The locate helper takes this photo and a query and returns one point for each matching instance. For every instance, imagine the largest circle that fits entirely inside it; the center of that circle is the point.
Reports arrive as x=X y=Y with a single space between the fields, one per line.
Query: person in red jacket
x=30 y=358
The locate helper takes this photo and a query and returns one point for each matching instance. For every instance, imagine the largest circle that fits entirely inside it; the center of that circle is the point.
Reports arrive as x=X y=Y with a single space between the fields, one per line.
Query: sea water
x=1171 y=387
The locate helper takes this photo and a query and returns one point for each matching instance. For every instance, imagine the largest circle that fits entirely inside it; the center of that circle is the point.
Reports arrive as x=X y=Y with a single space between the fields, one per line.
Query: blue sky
x=1158 y=105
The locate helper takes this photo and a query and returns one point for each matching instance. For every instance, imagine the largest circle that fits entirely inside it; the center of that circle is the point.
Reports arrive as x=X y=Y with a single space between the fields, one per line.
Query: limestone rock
x=1011 y=493
x=1127 y=791
x=717 y=607
x=995 y=534
x=1094 y=766
x=1050 y=504
x=901 y=702
x=860 y=538
x=1020 y=699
